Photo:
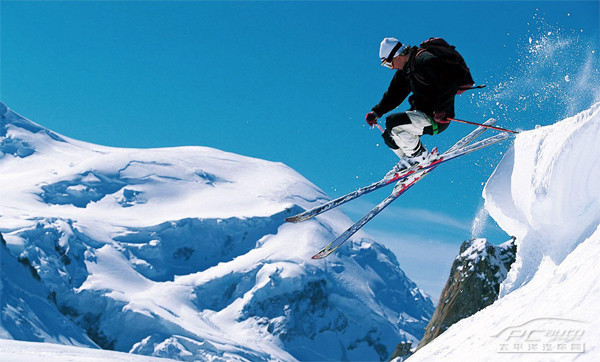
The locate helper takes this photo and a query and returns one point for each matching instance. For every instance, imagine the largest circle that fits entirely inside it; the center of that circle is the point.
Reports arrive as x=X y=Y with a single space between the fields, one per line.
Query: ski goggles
x=386 y=63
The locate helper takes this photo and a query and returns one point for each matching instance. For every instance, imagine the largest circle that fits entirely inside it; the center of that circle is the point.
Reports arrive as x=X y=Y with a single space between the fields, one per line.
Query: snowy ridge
x=545 y=193
x=183 y=253
x=551 y=175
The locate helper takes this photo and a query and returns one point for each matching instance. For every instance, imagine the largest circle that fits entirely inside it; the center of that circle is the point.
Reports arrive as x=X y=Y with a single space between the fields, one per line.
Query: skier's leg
x=403 y=131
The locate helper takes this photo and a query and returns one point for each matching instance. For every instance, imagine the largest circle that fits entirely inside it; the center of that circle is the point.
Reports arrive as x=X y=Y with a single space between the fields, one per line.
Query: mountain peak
x=19 y=134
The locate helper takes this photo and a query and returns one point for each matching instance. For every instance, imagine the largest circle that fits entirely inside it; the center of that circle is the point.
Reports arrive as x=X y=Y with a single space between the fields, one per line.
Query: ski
x=388 y=179
x=471 y=136
x=402 y=187
x=340 y=240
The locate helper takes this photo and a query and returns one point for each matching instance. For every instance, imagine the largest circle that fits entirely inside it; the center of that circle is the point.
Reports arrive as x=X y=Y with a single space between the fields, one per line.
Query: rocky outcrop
x=402 y=352
x=474 y=283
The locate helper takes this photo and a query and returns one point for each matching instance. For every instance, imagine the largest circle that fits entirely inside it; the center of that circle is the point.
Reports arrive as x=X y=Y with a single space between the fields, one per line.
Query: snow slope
x=545 y=192
x=184 y=253
x=19 y=351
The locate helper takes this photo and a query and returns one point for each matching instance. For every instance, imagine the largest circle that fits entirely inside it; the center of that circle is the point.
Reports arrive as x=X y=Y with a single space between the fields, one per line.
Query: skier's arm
x=398 y=91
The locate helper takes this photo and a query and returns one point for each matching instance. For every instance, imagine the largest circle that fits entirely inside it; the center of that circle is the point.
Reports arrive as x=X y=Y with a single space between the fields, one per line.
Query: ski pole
x=482 y=125
x=467 y=122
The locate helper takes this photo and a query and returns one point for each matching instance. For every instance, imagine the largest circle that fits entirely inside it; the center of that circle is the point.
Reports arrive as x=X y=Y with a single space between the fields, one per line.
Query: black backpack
x=440 y=48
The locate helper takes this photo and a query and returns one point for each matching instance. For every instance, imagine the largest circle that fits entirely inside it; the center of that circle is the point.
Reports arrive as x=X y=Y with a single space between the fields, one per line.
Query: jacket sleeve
x=442 y=80
x=398 y=91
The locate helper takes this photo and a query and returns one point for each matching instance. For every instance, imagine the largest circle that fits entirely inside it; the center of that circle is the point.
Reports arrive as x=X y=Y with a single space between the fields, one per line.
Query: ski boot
x=421 y=157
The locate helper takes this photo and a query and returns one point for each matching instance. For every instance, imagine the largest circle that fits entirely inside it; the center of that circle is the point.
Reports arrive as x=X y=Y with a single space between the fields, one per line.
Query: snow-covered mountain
x=184 y=253
x=545 y=192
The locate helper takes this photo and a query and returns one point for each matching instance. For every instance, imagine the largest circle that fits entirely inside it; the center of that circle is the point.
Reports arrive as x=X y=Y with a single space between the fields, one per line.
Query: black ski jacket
x=431 y=80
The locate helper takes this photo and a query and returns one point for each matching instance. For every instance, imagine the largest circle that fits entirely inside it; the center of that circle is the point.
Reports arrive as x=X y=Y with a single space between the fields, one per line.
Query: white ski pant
x=405 y=130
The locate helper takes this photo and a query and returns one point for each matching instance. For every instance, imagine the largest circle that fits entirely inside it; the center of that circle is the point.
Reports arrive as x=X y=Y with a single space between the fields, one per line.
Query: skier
x=434 y=72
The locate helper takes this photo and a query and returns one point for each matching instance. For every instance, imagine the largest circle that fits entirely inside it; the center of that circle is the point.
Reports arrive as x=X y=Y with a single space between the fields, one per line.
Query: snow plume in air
x=555 y=75
x=479 y=222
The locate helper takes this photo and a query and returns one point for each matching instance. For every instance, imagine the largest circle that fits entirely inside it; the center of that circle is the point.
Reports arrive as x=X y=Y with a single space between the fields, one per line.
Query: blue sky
x=292 y=81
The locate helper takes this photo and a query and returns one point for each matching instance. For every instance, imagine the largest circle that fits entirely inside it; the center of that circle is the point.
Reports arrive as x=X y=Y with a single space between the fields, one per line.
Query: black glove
x=440 y=117
x=371 y=118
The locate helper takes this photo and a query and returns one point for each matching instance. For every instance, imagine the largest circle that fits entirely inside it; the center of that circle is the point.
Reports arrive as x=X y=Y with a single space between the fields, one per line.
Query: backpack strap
x=434 y=127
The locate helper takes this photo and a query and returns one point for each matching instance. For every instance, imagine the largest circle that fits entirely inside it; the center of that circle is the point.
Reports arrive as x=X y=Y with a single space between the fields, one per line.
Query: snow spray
x=479 y=222
x=555 y=75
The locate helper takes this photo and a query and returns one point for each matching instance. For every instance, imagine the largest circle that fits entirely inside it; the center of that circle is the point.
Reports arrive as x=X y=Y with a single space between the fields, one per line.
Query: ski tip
x=321 y=254
x=296 y=218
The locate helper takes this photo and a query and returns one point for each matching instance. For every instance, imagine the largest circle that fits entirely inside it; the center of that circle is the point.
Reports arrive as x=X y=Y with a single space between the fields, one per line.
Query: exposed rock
x=474 y=283
x=402 y=352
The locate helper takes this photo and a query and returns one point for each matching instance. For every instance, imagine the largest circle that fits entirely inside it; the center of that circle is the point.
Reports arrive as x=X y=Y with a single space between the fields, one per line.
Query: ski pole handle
x=464 y=88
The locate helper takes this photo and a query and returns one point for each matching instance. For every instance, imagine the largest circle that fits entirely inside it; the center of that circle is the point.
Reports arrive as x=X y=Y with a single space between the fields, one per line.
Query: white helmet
x=390 y=48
